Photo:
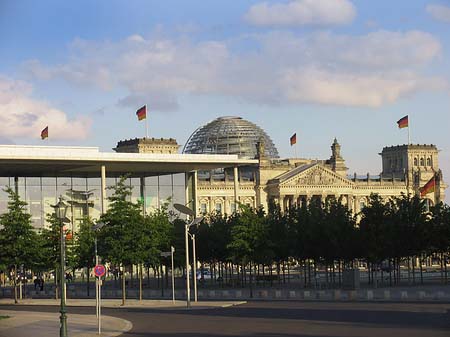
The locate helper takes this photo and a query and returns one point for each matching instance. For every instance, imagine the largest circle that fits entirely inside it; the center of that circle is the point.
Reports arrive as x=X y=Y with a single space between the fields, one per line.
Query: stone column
x=143 y=197
x=103 y=188
x=194 y=193
x=236 y=185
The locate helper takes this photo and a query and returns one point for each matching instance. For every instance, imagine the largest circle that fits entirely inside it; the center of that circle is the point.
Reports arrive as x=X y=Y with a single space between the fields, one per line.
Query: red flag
x=429 y=187
x=293 y=139
x=403 y=122
x=142 y=113
x=44 y=133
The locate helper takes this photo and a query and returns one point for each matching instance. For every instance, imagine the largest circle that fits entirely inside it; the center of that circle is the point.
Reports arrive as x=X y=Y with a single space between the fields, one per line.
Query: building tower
x=336 y=161
x=416 y=164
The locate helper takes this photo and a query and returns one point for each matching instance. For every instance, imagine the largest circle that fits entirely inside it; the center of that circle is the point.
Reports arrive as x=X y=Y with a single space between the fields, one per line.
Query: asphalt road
x=286 y=318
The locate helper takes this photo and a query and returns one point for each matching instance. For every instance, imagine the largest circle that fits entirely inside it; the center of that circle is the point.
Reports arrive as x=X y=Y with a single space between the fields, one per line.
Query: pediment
x=315 y=175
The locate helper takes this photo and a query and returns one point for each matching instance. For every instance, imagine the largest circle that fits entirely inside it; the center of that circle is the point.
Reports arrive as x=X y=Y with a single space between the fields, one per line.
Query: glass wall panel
x=34 y=201
x=4 y=182
x=48 y=197
x=135 y=189
x=151 y=194
x=95 y=205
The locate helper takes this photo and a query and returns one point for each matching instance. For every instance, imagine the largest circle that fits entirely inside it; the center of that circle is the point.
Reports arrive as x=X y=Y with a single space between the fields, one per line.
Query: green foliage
x=18 y=240
x=123 y=238
x=85 y=245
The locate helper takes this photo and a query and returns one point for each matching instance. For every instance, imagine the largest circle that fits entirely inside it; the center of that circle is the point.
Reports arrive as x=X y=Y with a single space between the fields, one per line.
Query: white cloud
x=314 y=85
x=302 y=12
x=280 y=68
x=439 y=12
x=25 y=117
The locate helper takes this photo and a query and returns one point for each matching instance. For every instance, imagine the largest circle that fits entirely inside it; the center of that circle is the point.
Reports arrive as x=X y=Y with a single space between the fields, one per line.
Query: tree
x=122 y=239
x=85 y=248
x=18 y=240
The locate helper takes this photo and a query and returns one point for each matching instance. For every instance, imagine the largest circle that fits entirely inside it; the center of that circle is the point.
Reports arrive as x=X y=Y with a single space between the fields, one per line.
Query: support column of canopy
x=143 y=193
x=103 y=187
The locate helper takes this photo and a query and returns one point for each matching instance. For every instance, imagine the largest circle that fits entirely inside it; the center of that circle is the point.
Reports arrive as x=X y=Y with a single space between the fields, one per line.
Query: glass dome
x=230 y=135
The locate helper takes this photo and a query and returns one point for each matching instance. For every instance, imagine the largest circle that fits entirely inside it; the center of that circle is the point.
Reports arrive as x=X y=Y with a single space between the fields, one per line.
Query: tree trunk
x=250 y=281
x=123 y=285
x=88 y=280
x=15 y=284
x=140 y=281
x=421 y=270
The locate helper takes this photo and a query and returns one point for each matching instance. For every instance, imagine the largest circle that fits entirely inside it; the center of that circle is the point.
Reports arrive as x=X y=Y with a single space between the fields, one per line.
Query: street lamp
x=60 y=213
x=96 y=228
x=195 y=221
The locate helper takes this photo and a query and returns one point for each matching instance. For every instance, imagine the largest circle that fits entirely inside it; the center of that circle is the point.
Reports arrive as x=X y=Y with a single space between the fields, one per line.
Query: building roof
x=230 y=135
x=23 y=160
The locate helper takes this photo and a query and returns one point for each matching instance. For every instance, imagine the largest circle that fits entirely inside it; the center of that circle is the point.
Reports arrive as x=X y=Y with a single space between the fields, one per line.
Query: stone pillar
x=103 y=188
x=236 y=185
x=143 y=197
x=194 y=193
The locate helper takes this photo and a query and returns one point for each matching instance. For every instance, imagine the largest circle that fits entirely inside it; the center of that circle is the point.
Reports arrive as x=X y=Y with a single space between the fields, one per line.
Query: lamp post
x=195 y=265
x=195 y=221
x=96 y=228
x=60 y=212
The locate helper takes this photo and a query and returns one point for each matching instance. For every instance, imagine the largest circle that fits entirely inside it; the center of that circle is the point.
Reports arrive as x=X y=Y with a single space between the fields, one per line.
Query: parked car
x=204 y=275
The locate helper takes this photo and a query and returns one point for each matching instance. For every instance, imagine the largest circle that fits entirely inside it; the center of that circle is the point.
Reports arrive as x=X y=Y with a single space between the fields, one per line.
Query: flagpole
x=146 y=123
x=146 y=127
x=296 y=150
x=409 y=127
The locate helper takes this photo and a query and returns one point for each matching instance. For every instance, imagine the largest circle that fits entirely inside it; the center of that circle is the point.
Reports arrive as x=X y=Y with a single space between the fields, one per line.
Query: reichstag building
x=227 y=162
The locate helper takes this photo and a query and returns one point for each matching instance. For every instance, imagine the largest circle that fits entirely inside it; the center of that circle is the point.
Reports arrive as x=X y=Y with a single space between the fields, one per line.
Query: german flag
x=403 y=122
x=142 y=113
x=293 y=139
x=429 y=187
x=44 y=133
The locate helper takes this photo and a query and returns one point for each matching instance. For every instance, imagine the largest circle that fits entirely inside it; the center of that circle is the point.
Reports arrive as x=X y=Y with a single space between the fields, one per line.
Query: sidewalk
x=44 y=324
x=116 y=303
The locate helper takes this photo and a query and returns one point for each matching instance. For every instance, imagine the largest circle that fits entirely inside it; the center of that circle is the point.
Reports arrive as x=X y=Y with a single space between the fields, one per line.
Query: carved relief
x=317 y=177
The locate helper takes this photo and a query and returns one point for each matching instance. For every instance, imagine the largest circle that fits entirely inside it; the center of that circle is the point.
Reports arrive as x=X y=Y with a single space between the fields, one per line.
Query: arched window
x=422 y=162
x=428 y=161
x=415 y=161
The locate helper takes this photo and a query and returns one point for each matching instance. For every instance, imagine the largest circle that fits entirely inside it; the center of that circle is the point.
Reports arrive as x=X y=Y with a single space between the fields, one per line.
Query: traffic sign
x=99 y=270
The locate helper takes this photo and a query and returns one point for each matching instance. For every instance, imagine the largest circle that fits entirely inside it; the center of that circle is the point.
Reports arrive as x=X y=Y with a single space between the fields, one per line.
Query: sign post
x=172 y=250
x=99 y=271
x=167 y=254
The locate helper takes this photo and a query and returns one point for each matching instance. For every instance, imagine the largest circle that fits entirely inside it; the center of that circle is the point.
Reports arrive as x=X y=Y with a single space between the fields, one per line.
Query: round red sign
x=99 y=270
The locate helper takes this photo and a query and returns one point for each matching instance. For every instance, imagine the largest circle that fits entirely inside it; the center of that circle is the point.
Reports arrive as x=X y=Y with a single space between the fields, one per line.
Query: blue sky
x=321 y=68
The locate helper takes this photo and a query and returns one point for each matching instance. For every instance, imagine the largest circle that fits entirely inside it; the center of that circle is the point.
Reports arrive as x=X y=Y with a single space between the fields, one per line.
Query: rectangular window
x=219 y=207
x=203 y=208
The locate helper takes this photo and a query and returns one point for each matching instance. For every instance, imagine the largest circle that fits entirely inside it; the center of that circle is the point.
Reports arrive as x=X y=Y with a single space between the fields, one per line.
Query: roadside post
x=99 y=271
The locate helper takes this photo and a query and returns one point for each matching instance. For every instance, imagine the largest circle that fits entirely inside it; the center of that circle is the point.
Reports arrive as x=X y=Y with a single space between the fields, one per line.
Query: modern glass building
x=83 y=175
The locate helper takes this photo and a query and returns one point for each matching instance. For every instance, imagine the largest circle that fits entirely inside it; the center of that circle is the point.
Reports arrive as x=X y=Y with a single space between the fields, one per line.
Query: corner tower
x=416 y=164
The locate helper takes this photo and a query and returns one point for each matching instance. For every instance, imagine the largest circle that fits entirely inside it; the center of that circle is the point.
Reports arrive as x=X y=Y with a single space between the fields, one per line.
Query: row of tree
x=385 y=235
x=242 y=246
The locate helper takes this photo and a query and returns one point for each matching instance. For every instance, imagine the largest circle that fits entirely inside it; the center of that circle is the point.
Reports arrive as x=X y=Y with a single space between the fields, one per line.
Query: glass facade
x=84 y=194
